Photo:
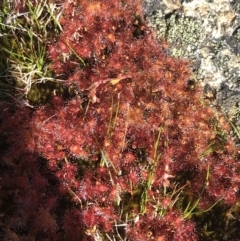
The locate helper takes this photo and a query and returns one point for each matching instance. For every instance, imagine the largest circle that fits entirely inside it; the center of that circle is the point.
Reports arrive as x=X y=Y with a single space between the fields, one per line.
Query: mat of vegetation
x=103 y=135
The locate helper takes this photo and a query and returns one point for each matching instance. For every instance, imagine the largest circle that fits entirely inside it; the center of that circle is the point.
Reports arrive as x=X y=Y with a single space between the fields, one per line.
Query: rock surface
x=207 y=32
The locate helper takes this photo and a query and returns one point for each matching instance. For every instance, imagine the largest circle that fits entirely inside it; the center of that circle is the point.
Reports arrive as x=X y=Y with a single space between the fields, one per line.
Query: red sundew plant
x=120 y=149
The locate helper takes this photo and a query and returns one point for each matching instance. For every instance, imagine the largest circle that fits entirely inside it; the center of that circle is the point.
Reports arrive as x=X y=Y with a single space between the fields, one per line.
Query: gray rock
x=207 y=32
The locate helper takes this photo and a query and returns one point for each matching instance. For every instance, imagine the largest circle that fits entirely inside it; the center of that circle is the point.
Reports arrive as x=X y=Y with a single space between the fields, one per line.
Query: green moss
x=41 y=93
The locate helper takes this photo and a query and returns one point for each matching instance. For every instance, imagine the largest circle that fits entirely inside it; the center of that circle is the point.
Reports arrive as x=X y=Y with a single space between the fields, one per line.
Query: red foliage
x=171 y=227
x=134 y=125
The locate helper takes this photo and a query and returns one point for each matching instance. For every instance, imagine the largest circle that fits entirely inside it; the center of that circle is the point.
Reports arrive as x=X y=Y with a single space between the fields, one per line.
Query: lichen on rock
x=208 y=33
